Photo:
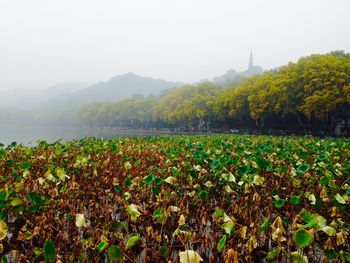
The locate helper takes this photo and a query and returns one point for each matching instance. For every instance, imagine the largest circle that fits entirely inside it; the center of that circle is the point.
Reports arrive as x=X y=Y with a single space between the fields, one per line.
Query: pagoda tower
x=251 y=64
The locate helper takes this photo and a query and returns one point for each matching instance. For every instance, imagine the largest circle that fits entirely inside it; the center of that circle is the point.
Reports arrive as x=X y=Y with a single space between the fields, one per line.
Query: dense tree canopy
x=190 y=105
x=313 y=91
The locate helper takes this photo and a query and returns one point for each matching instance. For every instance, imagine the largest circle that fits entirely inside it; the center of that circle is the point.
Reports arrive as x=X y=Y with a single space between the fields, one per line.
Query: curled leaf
x=228 y=224
x=3 y=229
x=80 y=220
x=341 y=237
x=277 y=230
x=170 y=180
x=132 y=241
x=133 y=211
x=330 y=231
x=252 y=244
x=127 y=165
x=182 y=220
x=258 y=180
x=340 y=199
x=189 y=256
x=231 y=256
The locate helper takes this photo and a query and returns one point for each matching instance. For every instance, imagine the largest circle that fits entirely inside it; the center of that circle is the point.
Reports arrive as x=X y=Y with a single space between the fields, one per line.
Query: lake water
x=29 y=135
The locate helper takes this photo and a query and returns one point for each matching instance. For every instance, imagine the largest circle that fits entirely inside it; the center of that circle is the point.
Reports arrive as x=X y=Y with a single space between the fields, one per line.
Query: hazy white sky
x=43 y=42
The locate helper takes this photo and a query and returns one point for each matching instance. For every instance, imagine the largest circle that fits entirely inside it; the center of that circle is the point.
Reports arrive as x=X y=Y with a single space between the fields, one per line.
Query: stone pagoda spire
x=251 y=64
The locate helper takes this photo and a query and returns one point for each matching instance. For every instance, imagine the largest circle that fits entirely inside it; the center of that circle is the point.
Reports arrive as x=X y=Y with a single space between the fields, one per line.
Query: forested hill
x=312 y=93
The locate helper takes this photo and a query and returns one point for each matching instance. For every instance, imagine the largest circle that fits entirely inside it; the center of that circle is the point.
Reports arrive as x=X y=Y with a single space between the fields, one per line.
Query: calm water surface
x=29 y=135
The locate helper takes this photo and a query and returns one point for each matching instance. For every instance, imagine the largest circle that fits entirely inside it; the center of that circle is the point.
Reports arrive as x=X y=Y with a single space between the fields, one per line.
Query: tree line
x=313 y=93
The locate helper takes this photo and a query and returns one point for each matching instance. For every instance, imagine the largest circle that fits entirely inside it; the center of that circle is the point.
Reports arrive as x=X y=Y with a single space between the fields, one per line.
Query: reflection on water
x=29 y=135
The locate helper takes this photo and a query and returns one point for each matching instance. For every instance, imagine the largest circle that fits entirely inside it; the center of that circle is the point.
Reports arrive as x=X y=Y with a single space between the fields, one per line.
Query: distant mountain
x=32 y=98
x=233 y=78
x=70 y=95
x=117 y=88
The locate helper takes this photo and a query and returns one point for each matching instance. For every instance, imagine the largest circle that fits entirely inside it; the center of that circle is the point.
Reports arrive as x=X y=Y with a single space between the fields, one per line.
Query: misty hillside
x=233 y=77
x=32 y=98
x=69 y=95
x=117 y=88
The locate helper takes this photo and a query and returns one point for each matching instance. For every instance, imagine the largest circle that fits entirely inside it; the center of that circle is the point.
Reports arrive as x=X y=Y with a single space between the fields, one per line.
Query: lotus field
x=176 y=199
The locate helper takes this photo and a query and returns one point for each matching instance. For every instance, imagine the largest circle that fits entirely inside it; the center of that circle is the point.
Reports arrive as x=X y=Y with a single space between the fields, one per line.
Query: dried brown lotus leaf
x=3 y=229
x=243 y=232
x=334 y=211
x=182 y=220
x=256 y=197
x=323 y=193
x=231 y=256
x=251 y=244
x=341 y=237
x=277 y=230
x=21 y=236
x=54 y=192
x=36 y=231
x=149 y=230
x=328 y=244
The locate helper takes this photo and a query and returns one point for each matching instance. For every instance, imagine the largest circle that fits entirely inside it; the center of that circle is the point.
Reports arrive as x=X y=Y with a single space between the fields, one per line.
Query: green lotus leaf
x=114 y=254
x=273 y=254
x=16 y=201
x=279 y=203
x=215 y=165
x=127 y=165
x=102 y=246
x=313 y=220
x=218 y=213
x=132 y=241
x=49 y=251
x=264 y=225
x=303 y=168
x=3 y=195
x=221 y=243
x=295 y=200
x=297 y=257
x=149 y=179
x=303 y=237
x=204 y=195
x=160 y=216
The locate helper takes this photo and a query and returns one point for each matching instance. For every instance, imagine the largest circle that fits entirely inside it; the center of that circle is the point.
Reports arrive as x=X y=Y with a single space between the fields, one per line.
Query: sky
x=45 y=42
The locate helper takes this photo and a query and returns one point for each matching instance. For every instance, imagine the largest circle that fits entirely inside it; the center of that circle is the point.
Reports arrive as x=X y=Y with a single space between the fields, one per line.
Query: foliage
x=313 y=91
x=49 y=251
x=239 y=198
